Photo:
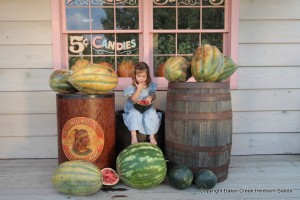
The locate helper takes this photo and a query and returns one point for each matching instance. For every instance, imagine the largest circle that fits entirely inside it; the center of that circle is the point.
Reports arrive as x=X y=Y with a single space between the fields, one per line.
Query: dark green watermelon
x=180 y=177
x=205 y=179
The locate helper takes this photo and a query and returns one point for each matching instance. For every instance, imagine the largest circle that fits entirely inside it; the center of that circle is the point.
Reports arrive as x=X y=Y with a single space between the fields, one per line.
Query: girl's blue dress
x=146 y=123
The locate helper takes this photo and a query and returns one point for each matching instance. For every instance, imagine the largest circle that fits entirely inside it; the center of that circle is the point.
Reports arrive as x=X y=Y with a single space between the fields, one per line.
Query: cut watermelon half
x=110 y=176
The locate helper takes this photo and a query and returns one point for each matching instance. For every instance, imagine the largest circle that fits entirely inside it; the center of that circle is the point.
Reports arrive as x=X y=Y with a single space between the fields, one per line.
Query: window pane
x=213 y=2
x=103 y=44
x=164 y=44
x=123 y=59
x=72 y=60
x=125 y=2
x=127 y=18
x=78 y=19
x=102 y=2
x=109 y=59
x=127 y=44
x=164 y=3
x=213 y=18
x=215 y=39
x=79 y=44
x=102 y=19
x=164 y=18
x=189 y=58
x=77 y=2
x=189 y=2
x=188 y=18
x=187 y=43
x=125 y=65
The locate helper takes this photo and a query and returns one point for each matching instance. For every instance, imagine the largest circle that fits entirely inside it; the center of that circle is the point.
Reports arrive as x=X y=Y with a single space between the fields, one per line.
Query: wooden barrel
x=86 y=128
x=199 y=126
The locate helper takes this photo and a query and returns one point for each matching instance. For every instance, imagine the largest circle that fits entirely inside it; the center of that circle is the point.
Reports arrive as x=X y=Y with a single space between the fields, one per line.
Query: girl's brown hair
x=139 y=68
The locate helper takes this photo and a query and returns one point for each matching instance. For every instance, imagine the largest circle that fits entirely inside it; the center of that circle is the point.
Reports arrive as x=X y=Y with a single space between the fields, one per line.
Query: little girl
x=141 y=90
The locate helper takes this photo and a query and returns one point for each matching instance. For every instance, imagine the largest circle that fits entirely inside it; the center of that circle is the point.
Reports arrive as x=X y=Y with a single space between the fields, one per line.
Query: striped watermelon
x=141 y=165
x=77 y=178
x=94 y=79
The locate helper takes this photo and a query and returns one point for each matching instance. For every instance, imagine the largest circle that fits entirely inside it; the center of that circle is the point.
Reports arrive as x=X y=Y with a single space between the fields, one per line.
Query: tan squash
x=94 y=79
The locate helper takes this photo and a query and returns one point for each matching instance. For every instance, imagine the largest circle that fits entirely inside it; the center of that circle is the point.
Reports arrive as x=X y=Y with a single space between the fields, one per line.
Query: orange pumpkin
x=107 y=64
x=160 y=70
x=125 y=69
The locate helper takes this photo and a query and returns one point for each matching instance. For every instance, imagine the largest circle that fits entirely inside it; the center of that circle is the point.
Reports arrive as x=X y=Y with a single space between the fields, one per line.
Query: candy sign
x=79 y=43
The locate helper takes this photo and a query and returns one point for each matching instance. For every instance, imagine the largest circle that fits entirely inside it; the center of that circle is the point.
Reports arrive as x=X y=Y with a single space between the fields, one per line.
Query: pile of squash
x=84 y=77
x=208 y=65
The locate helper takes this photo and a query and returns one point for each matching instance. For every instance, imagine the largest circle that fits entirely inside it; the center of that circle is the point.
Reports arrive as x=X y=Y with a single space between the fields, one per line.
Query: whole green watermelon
x=141 y=165
x=205 y=179
x=77 y=178
x=180 y=176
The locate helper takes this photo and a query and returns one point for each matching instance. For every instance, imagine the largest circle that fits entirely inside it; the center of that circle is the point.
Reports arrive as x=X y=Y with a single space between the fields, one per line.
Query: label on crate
x=82 y=139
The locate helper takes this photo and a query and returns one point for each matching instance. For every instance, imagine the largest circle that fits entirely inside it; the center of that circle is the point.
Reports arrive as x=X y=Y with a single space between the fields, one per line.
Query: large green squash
x=207 y=63
x=229 y=68
x=77 y=178
x=177 y=69
x=180 y=176
x=141 y=165
x=58 y=82
x=205 y=179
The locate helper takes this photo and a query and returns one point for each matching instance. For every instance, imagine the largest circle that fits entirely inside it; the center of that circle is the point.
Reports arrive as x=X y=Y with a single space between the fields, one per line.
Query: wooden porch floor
x=250 y=177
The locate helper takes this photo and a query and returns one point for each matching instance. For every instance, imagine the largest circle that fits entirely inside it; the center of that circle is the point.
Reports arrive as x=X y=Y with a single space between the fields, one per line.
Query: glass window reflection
x=213 y=18
x=127 y=18
x=164 y=18
x=78 y=19
x=102 y=18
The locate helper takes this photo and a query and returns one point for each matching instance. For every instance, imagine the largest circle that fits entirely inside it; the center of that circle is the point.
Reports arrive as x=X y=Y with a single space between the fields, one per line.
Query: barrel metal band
x=199 y=115
x=183 y=147
x=84 y=96
x=199 y=97
x=216 y=169
x=185 y=85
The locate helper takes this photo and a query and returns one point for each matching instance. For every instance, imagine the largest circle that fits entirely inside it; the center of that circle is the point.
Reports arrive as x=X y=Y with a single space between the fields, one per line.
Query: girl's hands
x=139 y=88
x=149 y=99
x=146 y=101
x=143 y=102
x=140 y=85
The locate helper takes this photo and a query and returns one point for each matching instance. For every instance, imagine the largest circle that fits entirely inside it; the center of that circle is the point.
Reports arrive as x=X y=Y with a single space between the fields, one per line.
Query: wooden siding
x=27 y=110
x=266 y=105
